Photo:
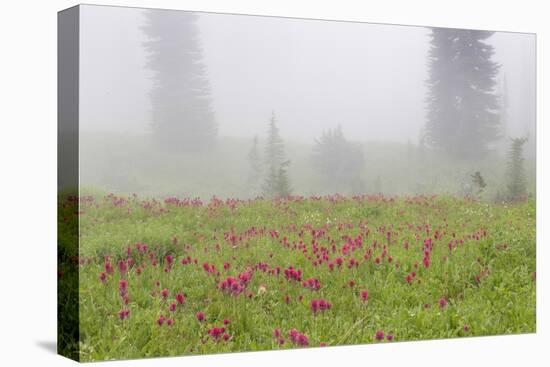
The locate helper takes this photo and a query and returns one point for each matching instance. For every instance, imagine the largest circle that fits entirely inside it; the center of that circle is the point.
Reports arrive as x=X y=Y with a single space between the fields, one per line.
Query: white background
x=28 y=182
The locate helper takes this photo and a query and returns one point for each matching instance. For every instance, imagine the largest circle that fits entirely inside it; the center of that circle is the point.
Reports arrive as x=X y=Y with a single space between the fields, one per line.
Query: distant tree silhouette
x=282 y=183
x=463 y=114
x=182 y=115
x=338 y=162
x=276 y=178
x=255 y=166
x=478 y=183
x=517 y=185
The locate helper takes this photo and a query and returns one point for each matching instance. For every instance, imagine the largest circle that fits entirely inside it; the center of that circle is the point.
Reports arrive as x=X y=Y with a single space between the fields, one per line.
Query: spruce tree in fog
x=276 y=178
x=282 y=183
x=463 y=113
x=338 y=162
x=517 y=186
x=478 y=183
x=255 y=166
x=182 y=115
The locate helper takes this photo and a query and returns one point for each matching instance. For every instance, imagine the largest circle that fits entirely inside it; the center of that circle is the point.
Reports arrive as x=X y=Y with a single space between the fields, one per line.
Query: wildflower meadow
x=186 y=276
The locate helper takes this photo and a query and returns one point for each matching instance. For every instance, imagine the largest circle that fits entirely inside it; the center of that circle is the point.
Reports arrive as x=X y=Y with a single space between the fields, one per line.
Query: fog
x=368 y=78
x=314 y=73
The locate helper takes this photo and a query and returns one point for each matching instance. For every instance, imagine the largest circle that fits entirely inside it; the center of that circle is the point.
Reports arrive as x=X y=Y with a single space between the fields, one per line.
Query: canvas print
x=234 y=183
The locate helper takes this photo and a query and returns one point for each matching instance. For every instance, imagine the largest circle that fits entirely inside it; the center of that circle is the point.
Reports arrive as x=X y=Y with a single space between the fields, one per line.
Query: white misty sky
x=315 y=74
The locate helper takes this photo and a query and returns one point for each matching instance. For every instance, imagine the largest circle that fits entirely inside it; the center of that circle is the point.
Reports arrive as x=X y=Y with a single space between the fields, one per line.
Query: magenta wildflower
x=122 y=266
x=314 y=305
x=180 y=298
x=298 y=338
x=320 y=305
x=200 y=316
x=169 y=259
x=216 y=332
x=123 y=313
x=123 y=287
x=161 y=320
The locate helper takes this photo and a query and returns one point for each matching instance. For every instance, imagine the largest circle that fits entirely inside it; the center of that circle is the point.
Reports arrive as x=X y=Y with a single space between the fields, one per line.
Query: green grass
x=498 y=244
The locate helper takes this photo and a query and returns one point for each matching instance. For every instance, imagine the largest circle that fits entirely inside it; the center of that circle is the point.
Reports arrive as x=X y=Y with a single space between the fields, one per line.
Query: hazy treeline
x=463 y=148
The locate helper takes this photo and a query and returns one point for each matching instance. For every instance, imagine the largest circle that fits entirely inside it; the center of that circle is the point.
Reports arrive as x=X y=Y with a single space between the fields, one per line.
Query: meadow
x=183 y=276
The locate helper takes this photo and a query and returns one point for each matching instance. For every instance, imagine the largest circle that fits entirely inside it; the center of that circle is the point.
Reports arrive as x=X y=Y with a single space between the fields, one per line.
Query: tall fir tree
x=275 y=164
x=255 y=167
x=182 y=114
x=463 y=114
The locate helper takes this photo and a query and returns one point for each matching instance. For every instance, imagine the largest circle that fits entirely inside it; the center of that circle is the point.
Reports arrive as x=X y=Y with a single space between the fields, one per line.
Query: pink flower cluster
x=293 y=274
x=320 y=305
x=218 y=332
x=409 y=278
x=231 y=285
x=379 y=335
x=123 y=313
x=312 y=283
x=245 y=277
x=209 y=268
x=162 y=319
x=298 y=338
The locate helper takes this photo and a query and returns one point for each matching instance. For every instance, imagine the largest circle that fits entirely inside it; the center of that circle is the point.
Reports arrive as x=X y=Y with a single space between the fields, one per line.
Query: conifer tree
x=182 y=115
x=276 y=178
x=463 y=115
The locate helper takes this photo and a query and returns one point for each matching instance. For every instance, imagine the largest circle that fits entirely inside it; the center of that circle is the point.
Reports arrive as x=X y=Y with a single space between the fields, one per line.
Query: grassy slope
x=502 y=302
